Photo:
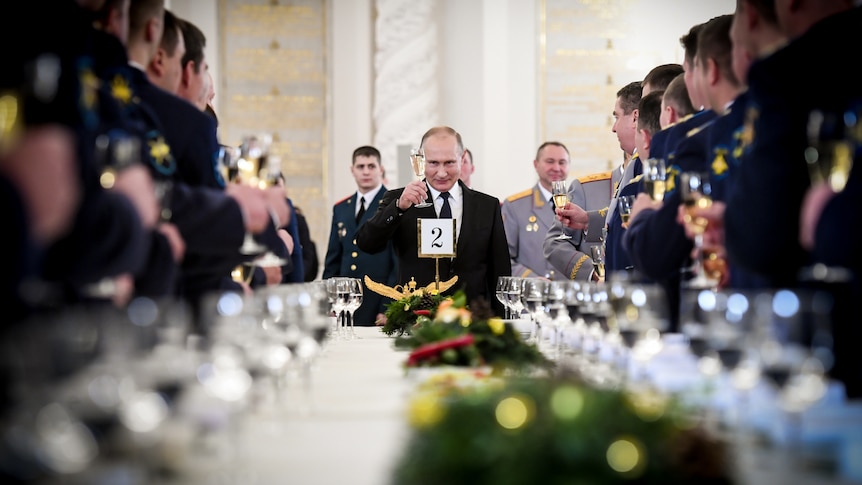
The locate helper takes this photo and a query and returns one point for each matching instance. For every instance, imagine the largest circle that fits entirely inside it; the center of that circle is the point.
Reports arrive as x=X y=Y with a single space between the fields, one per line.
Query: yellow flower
x=425 y=410
x=497 y=326
x=466 y=317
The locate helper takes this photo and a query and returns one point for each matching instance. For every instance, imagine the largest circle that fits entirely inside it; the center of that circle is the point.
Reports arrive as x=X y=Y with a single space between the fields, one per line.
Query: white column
x=406 y=82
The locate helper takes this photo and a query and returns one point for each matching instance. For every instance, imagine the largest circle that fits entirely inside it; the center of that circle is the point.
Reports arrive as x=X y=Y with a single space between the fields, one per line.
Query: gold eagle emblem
x=409 y=289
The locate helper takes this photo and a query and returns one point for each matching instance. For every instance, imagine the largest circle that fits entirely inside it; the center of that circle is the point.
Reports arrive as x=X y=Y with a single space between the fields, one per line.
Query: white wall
x=489 y=51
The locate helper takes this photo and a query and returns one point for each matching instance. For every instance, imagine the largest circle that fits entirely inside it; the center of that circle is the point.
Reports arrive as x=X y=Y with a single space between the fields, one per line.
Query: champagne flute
x=696 y=194
x=598 y=254
x=625 y=204
x=417 y=161
x=561 y=197
x=830 y=151
x=655 y=178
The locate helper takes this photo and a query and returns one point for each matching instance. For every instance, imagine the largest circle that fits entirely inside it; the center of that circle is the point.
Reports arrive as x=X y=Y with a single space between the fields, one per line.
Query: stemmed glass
x=500 y=293
x=597 y=252
x=561 y=197
x=830 y=151
x=417 y=161
x=534 y=297
x=655 y=178
x=354 y=289
x=229 y=159
x=696 y=193
x=625 y=207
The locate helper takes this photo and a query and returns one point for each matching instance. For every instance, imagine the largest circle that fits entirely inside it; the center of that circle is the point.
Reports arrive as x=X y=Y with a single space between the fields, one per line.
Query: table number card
x=436 y=238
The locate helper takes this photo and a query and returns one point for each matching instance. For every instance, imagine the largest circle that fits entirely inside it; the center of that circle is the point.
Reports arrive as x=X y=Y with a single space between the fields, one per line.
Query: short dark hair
x=550 y=143
x=140 y=12
x=676 y=95
x=689 y=43
x=764 y=8
x=649 y=112
x=365 y=151
x=630 y=96
x=196 y=42
x=714 y=43
x=444 y=130
x=170 y=35
x=660 y=76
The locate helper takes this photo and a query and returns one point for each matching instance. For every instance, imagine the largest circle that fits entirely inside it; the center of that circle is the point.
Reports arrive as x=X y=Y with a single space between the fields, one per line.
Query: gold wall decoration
x=589 y=49
x=273 y=80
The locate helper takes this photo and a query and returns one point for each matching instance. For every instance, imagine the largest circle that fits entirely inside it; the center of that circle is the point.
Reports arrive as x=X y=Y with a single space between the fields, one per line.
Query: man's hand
x=175 y=239
x=812 y=207
x=380 y=320
x=253 y=205
x=414 y=193
x=277 y=205
x=136 y=183
x=573 y=216
x=642 y=202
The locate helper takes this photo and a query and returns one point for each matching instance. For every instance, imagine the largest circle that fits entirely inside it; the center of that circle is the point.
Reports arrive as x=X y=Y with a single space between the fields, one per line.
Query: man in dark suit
x=343 y=256
x=482 y=253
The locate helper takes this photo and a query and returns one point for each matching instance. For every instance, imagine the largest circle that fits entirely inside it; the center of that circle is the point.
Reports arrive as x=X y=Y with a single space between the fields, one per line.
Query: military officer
x=343 y=257
x=571 y=257
x=528 y=215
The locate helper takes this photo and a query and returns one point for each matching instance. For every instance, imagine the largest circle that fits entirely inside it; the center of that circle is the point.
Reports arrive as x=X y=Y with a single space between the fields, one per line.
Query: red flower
x=426 y=313
x=430 y=350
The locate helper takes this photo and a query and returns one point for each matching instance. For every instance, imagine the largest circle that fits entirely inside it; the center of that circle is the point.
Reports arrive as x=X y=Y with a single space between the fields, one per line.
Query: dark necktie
x=446 y=210
x=361 y=209
x=553 y=206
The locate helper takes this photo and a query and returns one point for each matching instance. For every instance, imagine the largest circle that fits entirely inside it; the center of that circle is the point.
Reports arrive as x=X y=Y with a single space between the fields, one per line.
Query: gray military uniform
x=527 y=216
x=571 y=257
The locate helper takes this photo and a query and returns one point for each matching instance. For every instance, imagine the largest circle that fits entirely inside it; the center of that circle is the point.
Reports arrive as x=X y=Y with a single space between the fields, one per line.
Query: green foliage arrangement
x=401 y=314
x=555 y=431
x=439 y=338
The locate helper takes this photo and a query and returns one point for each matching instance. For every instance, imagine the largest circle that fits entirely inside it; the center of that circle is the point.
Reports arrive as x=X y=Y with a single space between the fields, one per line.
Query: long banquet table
x=353 y=427
x=349 y=431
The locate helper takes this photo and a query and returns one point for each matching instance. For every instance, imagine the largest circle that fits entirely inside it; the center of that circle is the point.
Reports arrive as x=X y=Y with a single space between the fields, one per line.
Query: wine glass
x=354 y=288
x=417 y=161
x=697 y=194
x=230 y=159
x=561 y=197
x=655 y=178
x=830 y=151
x=624 y=205
x=534 y=298
x=598 y=254
x=500 y=293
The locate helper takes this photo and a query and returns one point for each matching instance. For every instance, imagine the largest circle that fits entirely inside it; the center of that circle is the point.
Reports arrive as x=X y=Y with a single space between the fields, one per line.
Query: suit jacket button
x=354 y=242
x=354 y=254
x=352 y=267
x=389 y=219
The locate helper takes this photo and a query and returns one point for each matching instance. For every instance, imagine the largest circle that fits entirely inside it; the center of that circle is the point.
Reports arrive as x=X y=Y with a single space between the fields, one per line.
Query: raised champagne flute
x=561 y=197
x=417 y=161
x=655 y=178
x=830 y=148
x=697 y=194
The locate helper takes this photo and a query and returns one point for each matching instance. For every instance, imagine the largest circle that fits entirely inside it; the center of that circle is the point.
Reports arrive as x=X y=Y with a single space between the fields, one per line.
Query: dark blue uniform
x=664 y=142
x=344 y=258
x=616 y=256
x=762 y=221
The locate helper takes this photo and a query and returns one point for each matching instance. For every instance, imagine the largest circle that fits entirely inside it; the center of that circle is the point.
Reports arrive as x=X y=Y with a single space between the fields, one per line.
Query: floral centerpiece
x=554 y=430
x=444 y=331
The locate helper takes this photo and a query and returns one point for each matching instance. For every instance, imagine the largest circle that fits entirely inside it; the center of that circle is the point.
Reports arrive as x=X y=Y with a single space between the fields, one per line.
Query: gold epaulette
x=684 y=118
x=344 y=199
x=519 y=195
x=595 y=177
x=693 y=131
x=603 y=212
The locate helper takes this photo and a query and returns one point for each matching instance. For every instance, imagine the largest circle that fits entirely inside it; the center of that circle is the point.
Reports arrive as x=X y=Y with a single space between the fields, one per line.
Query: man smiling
x=482 y=254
